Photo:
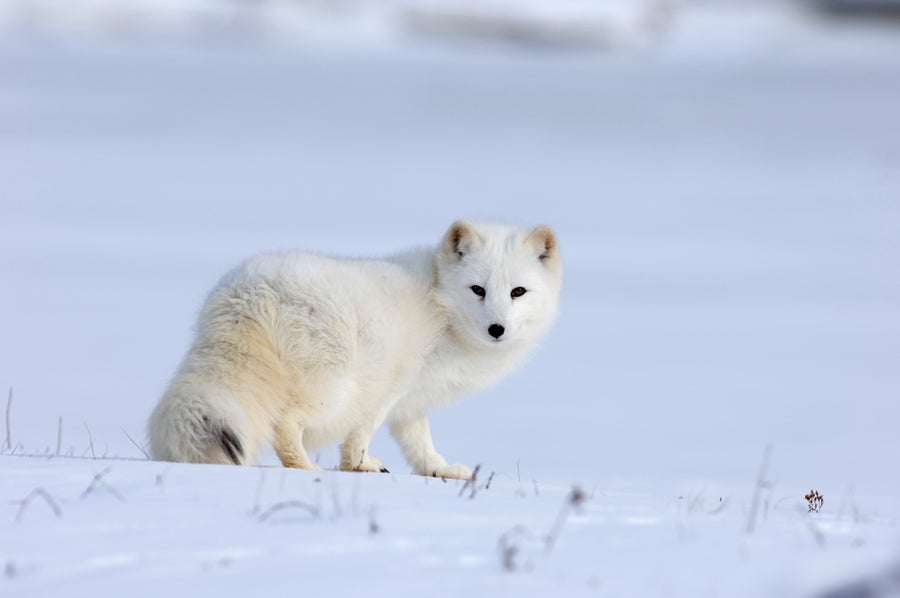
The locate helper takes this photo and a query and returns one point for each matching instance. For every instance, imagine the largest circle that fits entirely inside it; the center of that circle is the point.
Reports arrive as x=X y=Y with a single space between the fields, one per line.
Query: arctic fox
x=297 y=350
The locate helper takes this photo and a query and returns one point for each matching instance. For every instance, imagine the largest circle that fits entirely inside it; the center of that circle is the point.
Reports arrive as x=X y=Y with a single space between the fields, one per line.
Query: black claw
x=385 y=470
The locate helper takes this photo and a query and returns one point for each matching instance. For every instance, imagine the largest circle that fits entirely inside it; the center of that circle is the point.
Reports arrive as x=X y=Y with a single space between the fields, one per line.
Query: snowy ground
x=151 y=529
x=727 y=203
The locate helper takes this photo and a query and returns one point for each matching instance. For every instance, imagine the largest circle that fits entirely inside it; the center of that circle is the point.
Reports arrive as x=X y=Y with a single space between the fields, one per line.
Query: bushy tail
x=192 y=428
x=230 y=443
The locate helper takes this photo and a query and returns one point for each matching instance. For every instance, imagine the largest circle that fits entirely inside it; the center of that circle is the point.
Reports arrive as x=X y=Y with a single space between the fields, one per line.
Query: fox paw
x=456 y=471
x=297 y=463
x=366 y=463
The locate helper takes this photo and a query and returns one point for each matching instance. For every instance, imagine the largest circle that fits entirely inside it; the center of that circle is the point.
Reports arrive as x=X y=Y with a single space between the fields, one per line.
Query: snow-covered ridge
x=566 y=23
x=717 y=31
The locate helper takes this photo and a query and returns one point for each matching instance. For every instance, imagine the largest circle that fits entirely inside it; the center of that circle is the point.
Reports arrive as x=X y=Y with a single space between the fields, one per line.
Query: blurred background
x=724 y=177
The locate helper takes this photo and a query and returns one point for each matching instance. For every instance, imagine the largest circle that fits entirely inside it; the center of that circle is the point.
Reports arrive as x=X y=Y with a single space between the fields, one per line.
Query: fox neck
x=455 y=368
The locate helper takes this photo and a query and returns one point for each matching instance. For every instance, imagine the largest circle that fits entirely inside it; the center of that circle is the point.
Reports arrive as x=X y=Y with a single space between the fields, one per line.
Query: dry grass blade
x=38 y=492
x=574 y=501
x=761 y=484
x=373 y=524
x=91 y=445
x=508 y=547
x=134 y=442
x=288 y=504
x=99 y=482
x=8 y=426
x=470 y=483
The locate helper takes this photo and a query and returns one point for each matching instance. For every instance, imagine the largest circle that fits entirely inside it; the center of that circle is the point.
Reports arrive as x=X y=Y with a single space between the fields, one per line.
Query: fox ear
x=460 y=239
x=543 y=240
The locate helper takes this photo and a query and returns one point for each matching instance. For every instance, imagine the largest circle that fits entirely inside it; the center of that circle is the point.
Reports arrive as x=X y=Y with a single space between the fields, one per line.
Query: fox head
x=498 y=285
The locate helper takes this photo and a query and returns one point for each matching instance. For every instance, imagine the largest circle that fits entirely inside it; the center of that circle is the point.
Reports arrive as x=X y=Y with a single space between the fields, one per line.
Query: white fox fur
x=297 y=350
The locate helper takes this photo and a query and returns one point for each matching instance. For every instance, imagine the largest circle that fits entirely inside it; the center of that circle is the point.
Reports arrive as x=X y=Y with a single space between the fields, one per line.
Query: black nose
x=496 y=330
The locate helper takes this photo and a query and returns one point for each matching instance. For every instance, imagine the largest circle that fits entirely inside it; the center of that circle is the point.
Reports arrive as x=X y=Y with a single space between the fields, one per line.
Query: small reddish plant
x=814 y=500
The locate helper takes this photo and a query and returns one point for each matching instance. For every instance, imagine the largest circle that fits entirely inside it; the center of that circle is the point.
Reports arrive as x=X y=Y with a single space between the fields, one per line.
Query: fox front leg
x=414 y=437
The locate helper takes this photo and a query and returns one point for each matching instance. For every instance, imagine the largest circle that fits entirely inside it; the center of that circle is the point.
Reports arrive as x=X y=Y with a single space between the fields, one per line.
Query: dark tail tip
x=231 y=444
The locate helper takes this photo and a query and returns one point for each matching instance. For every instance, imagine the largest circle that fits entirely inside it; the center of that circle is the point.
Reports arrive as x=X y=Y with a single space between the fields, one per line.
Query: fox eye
x=517 y=292
x=478 y=290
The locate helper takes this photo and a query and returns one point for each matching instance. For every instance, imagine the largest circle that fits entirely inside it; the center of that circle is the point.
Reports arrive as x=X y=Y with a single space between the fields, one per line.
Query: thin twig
x=98 y=481
x=475 y=481
x=470 y=482
x=573 y=501
x=259 y=487
x=91 y=440
x=8 y=412
x=59 y=437
x=354 y=501
x=134 y=442
x=70 y=453
x=335 y=498
x=761 y=483
x=373 y=524
x=723 y=502
x=288 y=504
x=38 y=492
x=509 y=548
x=817 y=534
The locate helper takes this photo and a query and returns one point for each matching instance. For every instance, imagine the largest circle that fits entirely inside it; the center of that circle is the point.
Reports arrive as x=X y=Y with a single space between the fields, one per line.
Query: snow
x=726 y=200
x=153 y=528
